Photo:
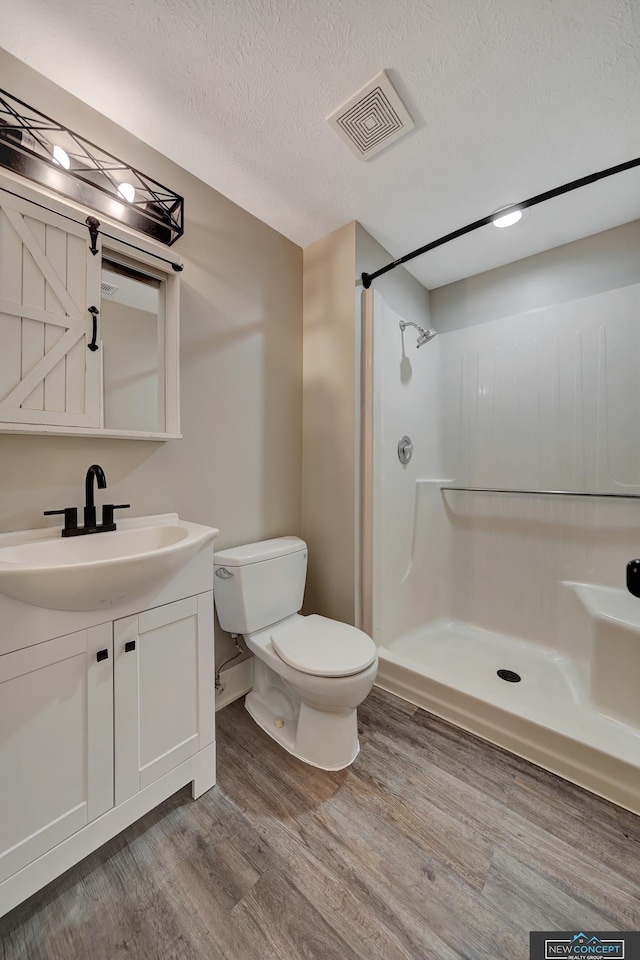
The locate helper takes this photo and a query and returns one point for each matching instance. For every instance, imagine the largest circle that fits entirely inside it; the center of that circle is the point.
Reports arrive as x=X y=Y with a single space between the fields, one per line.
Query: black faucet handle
x=70 y=515
x=107 y=512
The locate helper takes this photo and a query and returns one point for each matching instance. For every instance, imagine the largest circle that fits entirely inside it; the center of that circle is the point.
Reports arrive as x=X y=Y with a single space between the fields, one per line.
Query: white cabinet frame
x=50 y=383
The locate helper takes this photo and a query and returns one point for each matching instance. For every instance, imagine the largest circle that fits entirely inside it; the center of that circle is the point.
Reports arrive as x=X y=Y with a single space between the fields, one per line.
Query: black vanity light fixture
x=35 y=146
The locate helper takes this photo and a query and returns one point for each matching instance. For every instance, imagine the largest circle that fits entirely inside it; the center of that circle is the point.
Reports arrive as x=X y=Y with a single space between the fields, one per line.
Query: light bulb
x=127 y=191
x=61 y=157
x=508 y=219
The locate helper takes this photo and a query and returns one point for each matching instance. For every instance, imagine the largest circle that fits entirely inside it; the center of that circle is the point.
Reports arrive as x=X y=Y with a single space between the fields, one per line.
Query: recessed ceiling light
x=61 y=157
x=127 y=191
x=508 y=219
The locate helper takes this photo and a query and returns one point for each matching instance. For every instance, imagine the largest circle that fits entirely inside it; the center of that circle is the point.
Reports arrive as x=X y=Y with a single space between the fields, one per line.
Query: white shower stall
x=482 y=554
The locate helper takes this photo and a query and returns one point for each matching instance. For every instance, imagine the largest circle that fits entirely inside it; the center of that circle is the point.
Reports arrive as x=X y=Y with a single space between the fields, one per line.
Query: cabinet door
x=48 y=280
x=56 y=743
x=164 y=690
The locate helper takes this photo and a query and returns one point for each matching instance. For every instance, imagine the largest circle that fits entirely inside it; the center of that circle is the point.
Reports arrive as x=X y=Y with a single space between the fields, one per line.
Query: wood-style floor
x=433 y=844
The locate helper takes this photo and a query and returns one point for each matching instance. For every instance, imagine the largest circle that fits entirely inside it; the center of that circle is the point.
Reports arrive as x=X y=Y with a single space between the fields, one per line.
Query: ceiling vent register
x=372 y=119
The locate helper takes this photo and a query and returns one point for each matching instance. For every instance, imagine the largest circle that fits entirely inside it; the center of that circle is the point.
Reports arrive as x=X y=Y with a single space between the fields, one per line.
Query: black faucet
x=71 y=528
x=95 y=472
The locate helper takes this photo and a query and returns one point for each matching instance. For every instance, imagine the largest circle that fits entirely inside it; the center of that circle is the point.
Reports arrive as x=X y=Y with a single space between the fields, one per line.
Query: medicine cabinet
x=89 y=342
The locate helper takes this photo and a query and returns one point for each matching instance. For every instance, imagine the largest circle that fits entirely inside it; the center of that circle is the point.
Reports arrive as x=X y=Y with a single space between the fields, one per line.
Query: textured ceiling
x=510 y=98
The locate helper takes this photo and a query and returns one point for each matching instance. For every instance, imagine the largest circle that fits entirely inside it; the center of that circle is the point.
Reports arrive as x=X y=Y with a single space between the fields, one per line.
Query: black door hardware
x=94 y=341
x=93 y=226
x=102 y=655
x=129 y=646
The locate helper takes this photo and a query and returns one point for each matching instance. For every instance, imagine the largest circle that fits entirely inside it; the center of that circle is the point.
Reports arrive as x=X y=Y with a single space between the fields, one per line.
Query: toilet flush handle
x=223 y=573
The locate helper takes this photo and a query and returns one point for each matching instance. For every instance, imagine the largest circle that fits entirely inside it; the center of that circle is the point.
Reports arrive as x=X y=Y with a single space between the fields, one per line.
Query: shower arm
x=410 y=323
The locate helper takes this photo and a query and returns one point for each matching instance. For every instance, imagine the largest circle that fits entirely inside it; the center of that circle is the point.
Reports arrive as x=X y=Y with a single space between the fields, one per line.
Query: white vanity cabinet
x=164 y=697
x=56 y=753
x=99 y=725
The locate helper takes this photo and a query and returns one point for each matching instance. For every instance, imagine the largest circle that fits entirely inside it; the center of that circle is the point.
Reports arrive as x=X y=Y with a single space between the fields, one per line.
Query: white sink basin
x=98 y=570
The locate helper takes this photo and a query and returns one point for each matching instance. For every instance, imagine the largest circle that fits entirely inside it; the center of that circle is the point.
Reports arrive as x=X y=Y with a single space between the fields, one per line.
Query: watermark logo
x=585 y=946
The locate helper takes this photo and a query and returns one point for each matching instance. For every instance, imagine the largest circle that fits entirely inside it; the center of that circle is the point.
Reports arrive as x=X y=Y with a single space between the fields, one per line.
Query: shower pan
x=494 y=562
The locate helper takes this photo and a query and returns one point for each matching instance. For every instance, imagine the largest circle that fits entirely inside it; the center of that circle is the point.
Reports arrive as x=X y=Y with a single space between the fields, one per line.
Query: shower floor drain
x=510 y=676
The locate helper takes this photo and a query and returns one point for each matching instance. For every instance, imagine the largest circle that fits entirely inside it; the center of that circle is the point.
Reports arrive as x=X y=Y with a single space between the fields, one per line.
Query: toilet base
x=321 y=738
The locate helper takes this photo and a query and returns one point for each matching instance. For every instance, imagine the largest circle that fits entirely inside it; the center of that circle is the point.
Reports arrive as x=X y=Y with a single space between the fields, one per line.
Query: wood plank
x=55 y=380
x=17 y=309
x=32 y=234
x=33 y=294
x=11 y=287
x=569 y=813
x=33 y=380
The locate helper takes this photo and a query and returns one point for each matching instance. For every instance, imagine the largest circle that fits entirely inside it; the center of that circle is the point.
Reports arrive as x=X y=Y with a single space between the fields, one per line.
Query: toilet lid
x=323 y=647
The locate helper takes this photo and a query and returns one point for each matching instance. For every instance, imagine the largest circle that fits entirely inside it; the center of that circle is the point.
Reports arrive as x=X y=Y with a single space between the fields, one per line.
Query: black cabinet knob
x=129 y=646
x=102 y=655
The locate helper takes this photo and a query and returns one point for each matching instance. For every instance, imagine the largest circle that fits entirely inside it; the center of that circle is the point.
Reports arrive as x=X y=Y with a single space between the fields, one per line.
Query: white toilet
x=310 y=673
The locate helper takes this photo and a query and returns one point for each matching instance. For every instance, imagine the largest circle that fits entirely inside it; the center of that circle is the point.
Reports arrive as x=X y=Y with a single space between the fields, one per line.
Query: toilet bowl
x=310 y=673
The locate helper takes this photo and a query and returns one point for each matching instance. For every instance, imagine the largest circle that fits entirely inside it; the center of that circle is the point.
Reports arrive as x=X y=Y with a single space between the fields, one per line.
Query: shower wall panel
x=543 y=400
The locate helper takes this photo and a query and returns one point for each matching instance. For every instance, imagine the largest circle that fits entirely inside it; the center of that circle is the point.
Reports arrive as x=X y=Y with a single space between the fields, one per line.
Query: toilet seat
x=324 y=648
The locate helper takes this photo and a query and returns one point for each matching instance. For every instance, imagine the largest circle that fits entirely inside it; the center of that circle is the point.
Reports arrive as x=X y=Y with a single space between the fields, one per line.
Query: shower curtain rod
x=368 y=278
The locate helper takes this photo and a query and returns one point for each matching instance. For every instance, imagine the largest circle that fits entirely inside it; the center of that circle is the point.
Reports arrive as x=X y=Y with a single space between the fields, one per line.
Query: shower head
x=423 y=335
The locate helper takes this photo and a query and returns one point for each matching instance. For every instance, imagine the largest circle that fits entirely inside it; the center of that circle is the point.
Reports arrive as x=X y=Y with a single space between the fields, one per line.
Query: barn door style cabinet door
x=88 y=340
x=48 y=374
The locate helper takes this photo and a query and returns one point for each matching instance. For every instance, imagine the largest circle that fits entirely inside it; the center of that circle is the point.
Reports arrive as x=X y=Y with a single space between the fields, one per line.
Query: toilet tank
x=260 y=583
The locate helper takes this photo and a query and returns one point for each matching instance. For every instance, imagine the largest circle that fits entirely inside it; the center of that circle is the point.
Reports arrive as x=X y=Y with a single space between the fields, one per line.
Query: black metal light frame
x=27 y=140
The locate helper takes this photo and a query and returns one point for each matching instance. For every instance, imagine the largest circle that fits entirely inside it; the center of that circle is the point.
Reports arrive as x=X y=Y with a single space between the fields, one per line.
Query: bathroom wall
x=540 y=396
x=332 y=428
x=601 y=262
x=329 y=425
x=239 y=464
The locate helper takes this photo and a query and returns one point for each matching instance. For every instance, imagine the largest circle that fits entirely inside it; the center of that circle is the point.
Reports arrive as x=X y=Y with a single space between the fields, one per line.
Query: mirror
x=132 y=332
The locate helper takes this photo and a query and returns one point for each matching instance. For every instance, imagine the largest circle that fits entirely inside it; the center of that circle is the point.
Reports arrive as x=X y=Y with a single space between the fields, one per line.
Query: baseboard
x=237 y=680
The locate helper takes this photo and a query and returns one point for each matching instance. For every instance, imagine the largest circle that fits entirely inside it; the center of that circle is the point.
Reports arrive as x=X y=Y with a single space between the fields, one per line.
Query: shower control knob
x=405 y=449
x=633 y=577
